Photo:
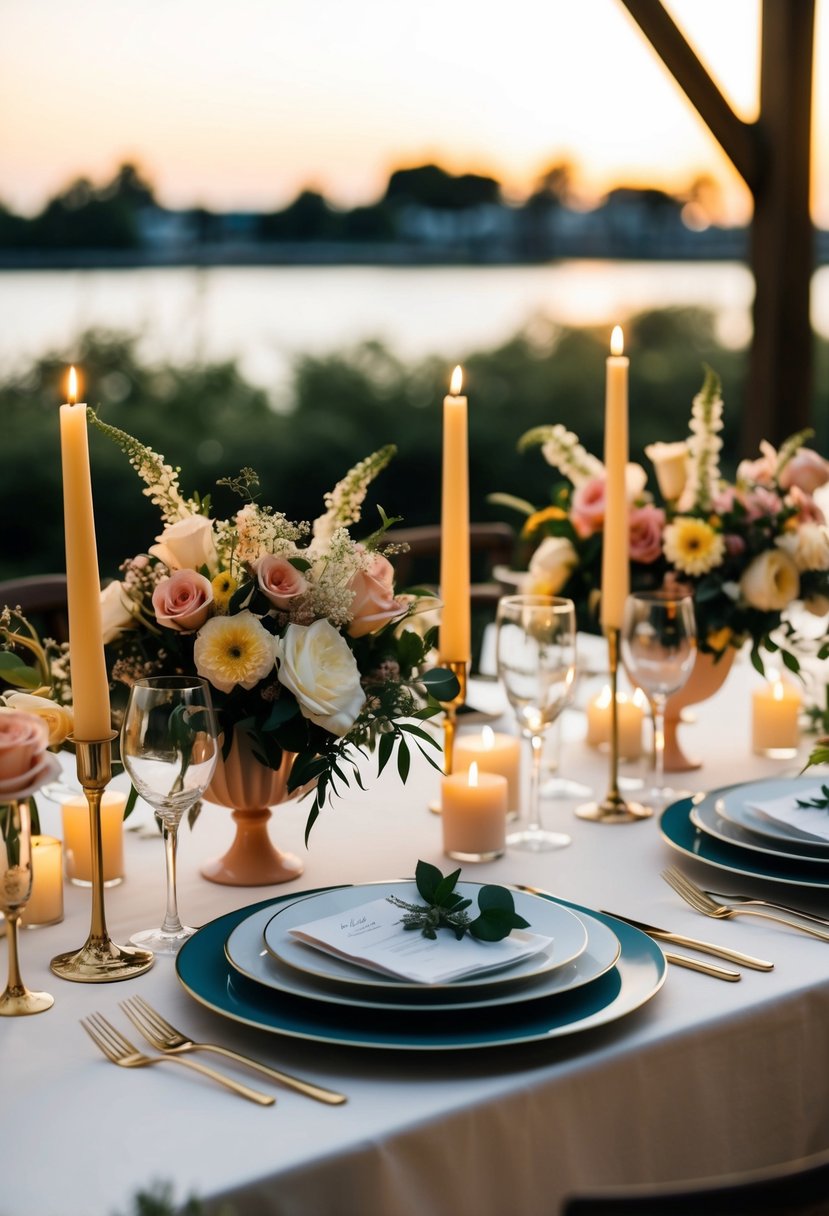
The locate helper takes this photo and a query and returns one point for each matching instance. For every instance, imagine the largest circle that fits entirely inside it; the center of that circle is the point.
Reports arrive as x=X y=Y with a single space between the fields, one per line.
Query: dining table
x=703 y=1078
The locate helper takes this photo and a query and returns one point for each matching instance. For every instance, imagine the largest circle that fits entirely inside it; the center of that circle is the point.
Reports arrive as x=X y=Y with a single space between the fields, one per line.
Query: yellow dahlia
x=233 y=650
x=692 y=545
x=223 y=585
x=539 y=518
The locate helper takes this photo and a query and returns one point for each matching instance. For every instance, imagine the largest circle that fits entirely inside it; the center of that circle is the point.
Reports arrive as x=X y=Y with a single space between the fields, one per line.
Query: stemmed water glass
x=659 y=642
x=15 y=891
x=169 y=748
x=536 y=655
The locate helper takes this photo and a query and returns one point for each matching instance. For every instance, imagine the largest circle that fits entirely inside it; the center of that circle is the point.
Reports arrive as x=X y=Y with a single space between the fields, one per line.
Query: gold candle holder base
x=459 y=669
x=99 y=960
x=613 y=808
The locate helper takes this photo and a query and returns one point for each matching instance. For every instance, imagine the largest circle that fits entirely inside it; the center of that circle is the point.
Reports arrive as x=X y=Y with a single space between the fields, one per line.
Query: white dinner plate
x=706 y=817
x=549 y=919
x=247 y=954
x=733 y=804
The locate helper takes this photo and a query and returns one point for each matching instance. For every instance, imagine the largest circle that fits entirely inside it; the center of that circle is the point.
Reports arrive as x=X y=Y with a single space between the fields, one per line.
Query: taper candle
x=90 y=687
x=454 y=642
x=615 y=567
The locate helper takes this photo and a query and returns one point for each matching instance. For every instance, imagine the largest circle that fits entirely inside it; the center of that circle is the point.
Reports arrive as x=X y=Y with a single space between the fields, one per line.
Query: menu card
x=372 y=936
x=809 y=822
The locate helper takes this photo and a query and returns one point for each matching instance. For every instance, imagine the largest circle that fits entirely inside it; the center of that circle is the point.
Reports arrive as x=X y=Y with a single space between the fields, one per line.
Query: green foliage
x=445 y=909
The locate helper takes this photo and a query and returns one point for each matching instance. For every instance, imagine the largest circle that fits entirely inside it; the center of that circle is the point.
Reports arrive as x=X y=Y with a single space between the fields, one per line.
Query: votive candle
x=775 y=719
x=493 y=753
x=631 y=715
x=76 y=838
x=45 y=906
x=474 y=815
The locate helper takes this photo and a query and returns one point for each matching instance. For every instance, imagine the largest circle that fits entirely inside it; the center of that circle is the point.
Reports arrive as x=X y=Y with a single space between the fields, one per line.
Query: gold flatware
x=122 y=1052
x=702 y=902
x=162 y=1035
x=768 y=903
x=693 y=943
x=696 y=964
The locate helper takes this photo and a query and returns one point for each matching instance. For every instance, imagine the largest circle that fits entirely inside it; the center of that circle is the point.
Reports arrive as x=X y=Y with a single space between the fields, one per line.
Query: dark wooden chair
x=800 y=1188
x=490 y=545
x=42 y=600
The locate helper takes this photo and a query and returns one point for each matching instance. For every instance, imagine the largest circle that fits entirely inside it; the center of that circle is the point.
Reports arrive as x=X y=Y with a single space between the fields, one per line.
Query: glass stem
x=171 y=922
x=15 y=985
x=658 y=701
x=536 y=745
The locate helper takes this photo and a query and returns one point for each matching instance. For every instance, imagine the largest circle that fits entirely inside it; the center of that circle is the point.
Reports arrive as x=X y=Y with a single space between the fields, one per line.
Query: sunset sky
x=240 y=105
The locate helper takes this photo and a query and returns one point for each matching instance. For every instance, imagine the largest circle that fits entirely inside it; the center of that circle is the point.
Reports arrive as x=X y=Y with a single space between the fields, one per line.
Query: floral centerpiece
x=297 y=628
x=746 y=550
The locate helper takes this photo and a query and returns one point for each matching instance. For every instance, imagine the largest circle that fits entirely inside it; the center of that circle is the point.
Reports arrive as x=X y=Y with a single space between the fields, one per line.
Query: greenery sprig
x=445 y=909
x=820 y=803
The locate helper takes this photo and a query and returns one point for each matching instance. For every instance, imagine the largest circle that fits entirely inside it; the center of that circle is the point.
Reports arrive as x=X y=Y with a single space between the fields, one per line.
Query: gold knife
x=695 y=964
x=692 y=943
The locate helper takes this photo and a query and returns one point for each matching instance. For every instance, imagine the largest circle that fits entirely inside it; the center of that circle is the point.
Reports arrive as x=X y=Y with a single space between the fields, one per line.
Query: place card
x=811 y=822
x=372 y=936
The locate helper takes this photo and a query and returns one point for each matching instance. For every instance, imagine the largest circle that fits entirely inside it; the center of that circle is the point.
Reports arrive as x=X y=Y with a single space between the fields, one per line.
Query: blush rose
x=183 y=601
x=279 y=581
x=374 y=603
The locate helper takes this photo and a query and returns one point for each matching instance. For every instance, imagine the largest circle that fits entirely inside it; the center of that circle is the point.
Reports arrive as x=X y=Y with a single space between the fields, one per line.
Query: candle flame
x=603 y=699
x=487 y=738
x=640 y=699
x=472 y=779
x=777 y=690
x=456 y=383
x=72 y=395
x=617 y=341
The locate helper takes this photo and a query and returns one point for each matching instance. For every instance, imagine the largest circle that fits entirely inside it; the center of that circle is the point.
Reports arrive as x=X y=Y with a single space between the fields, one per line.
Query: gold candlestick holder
x=460 y=670
x=613 y=808
x=99 y=959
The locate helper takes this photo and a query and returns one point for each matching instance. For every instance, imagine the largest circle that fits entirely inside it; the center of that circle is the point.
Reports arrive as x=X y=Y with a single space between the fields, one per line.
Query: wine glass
x=15 y=890
x=169 y=748
x=659 y=645
x=536 y=656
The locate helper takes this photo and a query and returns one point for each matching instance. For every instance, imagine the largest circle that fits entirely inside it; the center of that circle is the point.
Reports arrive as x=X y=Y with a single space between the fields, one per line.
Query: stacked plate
x=247 y=966
x=725 y=829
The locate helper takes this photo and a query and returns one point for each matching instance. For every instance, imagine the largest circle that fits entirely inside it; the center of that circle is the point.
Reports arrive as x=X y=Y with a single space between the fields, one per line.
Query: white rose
x=551 y=565
x=807 y=546
x=771 y=581
x=635 y=481
x=115 y=615
x=56 y=718
x=187 y=544
x=316 y=664
x=818 y=605
x=670 y=463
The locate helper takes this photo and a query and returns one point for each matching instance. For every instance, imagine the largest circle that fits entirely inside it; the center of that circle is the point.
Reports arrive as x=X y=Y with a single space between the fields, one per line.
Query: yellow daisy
x=718 y=639
x=692 y=545
x=539 y=518
x=233 y=650
x=223 y=585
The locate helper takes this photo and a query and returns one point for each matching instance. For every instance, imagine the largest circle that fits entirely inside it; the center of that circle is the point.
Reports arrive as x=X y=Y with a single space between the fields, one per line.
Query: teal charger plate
x=206 y=975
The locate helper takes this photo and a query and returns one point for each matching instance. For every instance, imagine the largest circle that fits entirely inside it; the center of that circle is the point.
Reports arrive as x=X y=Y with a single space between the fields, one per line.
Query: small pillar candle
x=76 y=838
x=45 y=906
x=474 y=815
x=631 y=715
x=493 y=753
x=775 y=713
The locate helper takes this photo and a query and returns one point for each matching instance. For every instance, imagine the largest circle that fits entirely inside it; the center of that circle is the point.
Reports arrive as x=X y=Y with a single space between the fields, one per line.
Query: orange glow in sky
x=241 y=105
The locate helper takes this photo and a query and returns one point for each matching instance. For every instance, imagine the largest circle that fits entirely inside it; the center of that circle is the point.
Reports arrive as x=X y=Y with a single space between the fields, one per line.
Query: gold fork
x=702 y=902
x=122 y=1052
x=163 y=1035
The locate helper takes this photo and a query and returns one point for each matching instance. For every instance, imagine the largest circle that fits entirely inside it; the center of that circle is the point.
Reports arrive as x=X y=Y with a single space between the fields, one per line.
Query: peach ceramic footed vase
x=707 y=677
x=251 y=789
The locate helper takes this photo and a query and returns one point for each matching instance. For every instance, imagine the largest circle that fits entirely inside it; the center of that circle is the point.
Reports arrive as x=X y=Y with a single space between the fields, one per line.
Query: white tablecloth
x=707 y=1078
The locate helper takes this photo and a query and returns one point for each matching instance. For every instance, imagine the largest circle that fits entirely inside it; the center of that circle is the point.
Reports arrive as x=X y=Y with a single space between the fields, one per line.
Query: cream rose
x=183 y=601
x=58 y=718
x=314 y=662
x=279 y=581
x=807 y=546
x=670 y=463
x=374 y=603
x=115 y=615
x=25 y=764
x=771 y=581
x=551 y=565
x=187 y=544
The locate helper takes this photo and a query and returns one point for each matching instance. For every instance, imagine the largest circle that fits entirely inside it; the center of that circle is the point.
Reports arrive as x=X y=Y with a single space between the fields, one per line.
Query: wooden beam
x=737 y=138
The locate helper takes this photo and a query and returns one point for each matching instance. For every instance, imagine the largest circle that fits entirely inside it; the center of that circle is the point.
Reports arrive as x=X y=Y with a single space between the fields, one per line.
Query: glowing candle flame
x=617 y=341
x=487 y=738
x=473 y=774
x=73 y=386
x=456 y=383
x=777 y=690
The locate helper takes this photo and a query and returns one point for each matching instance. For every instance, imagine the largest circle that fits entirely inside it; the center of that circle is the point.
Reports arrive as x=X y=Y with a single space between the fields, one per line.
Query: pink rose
x=723 y=500
x=806 y=470
x=25 y=764
x=374 y=604
x=808 y=512
x=183 y=601
x=279 y=581
x=760 y=471
x=646 y=524
x=759 y=502
x=588 y=506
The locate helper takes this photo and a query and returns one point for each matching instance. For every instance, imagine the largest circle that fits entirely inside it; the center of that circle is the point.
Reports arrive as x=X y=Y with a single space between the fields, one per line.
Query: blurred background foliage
x=211 y=422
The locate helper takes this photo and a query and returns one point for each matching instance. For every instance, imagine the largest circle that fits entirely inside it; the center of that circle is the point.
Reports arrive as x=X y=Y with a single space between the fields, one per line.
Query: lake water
x=265 y=316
